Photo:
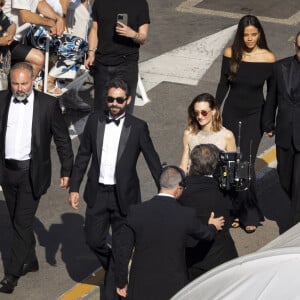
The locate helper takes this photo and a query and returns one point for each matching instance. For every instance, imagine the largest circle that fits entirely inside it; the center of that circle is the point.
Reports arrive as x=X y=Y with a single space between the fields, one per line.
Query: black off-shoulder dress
x=245 y=102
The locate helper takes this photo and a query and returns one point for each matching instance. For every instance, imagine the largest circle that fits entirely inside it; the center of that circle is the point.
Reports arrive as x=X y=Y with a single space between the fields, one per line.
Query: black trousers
x=98 y=219
x=288 y=168
x=128 y=71
x=22 y=206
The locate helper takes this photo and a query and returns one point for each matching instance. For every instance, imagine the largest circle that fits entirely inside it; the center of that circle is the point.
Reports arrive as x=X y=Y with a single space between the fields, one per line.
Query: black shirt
x=113 y=49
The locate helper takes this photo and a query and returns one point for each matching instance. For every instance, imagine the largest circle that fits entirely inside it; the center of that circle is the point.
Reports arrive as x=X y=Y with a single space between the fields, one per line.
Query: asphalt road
x=64 y=258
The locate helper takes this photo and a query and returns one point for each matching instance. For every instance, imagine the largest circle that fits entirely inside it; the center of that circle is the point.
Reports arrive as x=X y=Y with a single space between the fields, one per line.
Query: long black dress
x=245 y=103
x=203 y=194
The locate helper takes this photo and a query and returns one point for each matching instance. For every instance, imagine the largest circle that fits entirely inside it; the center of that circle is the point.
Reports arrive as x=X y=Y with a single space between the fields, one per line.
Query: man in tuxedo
x=28 y=120
x=159 y=229
x=287 y=130
x=204 y=195
x=114 y=141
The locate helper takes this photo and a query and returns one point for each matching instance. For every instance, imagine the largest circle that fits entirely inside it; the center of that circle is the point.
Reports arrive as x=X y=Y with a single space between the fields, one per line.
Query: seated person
x=29 y=11
x=69 y=51
x=7 y=32
x=204 y=195
x=70 y=47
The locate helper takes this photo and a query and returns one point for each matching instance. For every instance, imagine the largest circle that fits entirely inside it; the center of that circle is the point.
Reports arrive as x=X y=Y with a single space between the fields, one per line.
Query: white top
x=111 y=139
x=78 y=19
x=11 y=8
x=55 y=4
x=208 y=137
x=19 y=128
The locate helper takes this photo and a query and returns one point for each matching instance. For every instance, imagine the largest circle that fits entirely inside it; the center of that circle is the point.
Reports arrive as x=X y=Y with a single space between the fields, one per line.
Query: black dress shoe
x=31 y=267
x=9 y=282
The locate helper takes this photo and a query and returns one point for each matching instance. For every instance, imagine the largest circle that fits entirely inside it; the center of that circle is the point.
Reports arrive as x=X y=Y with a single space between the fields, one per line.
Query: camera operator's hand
x=217 y=222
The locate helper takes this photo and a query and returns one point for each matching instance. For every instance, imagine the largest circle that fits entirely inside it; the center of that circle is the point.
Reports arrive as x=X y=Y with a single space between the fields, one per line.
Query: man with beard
x=28 y=120
x=287 y=130
x=114 y=141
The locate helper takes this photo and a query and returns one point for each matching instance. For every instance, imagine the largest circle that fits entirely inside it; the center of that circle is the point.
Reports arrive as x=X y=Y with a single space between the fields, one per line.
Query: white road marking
x=189 y=6
x=186 y=64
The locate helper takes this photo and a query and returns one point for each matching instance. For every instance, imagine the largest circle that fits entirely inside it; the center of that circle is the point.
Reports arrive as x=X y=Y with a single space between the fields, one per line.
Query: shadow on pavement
x=67 y=240
x=273 y=201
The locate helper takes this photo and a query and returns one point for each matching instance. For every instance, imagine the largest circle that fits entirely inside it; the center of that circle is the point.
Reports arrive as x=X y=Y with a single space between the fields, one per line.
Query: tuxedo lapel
x=100 y=136
x=124 y=136
x=286 y=73
x=36 y=128
x=3 y=120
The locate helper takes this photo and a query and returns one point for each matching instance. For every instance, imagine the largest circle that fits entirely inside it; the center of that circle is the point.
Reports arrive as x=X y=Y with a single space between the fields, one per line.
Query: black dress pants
x=128 y=71
x=105 y=213
x=288 y=168
x=22 y=206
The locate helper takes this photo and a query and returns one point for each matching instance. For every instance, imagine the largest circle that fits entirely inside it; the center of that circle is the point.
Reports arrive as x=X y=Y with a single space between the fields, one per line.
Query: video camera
x=231 y=172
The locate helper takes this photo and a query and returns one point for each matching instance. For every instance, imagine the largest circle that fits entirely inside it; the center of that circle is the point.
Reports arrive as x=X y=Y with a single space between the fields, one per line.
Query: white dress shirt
x=111 y=139
x=19 y=130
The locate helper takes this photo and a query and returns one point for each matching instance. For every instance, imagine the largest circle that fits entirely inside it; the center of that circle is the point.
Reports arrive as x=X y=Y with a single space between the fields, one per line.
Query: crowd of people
x=183 y=231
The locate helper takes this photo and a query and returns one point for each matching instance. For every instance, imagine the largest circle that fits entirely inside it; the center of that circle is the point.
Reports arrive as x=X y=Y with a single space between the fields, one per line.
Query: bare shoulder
x=228 y=133
x=228 y=52
x=187 y=132
x=269 y=56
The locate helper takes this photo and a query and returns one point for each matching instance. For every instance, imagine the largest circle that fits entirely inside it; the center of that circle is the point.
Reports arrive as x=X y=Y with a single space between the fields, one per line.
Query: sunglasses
x=119 y=100
x=203 y=113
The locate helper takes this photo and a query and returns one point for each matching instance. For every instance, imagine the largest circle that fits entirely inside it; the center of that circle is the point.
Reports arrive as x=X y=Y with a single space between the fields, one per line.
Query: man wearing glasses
x=114 y=141
x=287 y=130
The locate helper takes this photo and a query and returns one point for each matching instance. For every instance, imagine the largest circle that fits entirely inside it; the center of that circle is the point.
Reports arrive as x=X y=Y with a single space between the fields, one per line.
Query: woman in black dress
x=247 y=65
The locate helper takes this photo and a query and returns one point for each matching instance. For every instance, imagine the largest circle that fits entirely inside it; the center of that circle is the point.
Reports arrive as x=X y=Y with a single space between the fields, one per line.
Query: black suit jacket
x=159 y=229
x=47 y=122
x=134 y=139
x=288 y=116
x=204 y=195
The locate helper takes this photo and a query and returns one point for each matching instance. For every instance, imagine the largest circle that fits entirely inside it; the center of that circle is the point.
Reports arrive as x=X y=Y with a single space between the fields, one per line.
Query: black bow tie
x=116 y=121
x=25 y=101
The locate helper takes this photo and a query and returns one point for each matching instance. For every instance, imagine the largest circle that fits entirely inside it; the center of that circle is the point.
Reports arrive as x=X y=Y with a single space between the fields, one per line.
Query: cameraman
x=203 y=194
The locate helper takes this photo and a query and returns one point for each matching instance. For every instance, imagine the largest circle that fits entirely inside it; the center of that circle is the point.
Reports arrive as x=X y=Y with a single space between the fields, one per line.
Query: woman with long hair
x=247 y=65
x=205 y=127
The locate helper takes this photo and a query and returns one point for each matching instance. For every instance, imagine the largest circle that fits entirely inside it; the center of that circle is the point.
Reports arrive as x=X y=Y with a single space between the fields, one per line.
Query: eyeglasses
x=203 y=113
x=119 y=100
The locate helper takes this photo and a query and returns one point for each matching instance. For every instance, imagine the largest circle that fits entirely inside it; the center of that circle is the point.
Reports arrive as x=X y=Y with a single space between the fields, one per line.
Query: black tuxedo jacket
x=159 y=229
x=288 y=116
x=47 y=122
x=204 y=195
x=134 y=139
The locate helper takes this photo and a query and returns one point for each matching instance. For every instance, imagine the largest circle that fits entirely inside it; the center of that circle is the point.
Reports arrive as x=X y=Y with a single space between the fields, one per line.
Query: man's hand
x=90 y=60
x=122 y=291
x=60 y=26
x=125 y=30
x=74 y=199
x=64 y=182
x=217 y=222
